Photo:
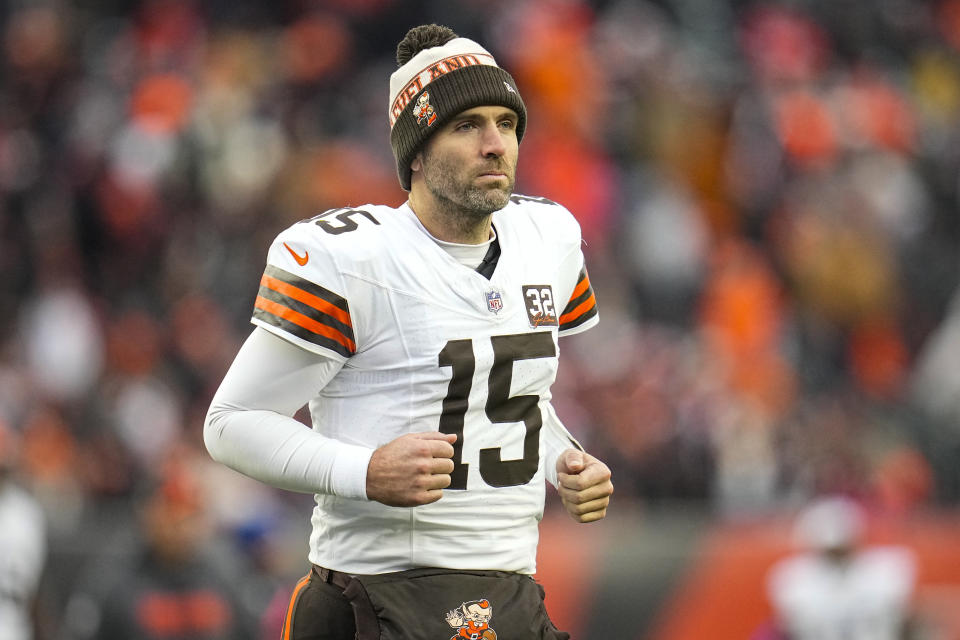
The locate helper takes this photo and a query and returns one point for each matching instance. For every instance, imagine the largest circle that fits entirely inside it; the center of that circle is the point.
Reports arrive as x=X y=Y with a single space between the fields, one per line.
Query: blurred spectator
x=170 y=587
x=64 y=348
x=936 y=382
x=23 y=548
x=836 y=587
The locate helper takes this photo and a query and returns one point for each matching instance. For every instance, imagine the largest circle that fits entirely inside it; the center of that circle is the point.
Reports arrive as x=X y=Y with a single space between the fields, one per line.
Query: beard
x=464 y=199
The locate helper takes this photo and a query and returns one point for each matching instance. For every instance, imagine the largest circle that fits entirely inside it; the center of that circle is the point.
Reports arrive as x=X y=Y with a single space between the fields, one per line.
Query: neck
x=450 y=223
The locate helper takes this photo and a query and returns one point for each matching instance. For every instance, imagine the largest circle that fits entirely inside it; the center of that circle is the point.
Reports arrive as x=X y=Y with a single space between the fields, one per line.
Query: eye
x=508 y=124
x=464 y=126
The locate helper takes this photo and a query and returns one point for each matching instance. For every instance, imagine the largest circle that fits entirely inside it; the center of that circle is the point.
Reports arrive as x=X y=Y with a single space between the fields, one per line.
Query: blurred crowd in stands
x=769 y=194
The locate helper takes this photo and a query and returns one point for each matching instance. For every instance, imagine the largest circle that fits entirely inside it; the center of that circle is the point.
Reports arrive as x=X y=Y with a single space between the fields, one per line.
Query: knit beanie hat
x=441 y=75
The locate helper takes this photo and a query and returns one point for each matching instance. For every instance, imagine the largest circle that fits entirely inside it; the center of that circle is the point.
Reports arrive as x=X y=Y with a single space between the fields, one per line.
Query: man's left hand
x=584 y=485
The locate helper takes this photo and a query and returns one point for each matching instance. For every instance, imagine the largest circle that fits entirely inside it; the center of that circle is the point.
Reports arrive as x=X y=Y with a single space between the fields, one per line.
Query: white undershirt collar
x=469 y=255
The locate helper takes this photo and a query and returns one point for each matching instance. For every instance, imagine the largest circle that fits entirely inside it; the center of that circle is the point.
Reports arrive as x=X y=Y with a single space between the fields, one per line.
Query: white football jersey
x=23 y=548
x=429 y=344
x=867 y=598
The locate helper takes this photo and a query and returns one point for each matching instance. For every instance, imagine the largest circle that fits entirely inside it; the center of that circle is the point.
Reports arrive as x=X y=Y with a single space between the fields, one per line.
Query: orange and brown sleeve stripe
x=582 y=305
x=305 y=310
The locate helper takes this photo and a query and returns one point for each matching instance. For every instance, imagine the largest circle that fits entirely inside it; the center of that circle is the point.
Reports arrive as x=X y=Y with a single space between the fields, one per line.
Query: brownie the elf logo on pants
x=472 y=621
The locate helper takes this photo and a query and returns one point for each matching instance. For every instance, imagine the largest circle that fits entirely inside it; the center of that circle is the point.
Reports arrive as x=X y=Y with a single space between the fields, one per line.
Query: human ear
x=417 y=163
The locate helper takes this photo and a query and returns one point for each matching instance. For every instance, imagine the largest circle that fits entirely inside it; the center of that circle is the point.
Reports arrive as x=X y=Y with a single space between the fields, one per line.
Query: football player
x=424 y=339
x=839 y=587
x=23 y=546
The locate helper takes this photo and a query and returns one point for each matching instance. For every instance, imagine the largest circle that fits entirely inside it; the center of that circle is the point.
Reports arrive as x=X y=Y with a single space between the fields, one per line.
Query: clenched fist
x=584 y=485
x=411 y=470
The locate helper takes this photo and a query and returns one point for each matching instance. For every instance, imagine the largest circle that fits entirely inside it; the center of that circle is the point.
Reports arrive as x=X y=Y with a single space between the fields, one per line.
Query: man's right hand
x=411 y=470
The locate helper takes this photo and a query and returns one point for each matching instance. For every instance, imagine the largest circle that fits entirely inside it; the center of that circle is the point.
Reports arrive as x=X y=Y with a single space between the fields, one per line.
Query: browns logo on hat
x=460 y=75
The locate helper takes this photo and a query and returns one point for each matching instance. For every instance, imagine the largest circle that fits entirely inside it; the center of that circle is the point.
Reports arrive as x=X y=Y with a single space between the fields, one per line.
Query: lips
x=495 y=172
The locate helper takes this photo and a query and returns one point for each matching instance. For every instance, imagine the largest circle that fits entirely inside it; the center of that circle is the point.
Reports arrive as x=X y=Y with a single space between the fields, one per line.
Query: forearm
x=250 y=428
x=282 y=452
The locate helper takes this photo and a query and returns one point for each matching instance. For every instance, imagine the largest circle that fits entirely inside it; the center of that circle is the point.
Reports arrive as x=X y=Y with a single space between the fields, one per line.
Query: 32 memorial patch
x=541 y=311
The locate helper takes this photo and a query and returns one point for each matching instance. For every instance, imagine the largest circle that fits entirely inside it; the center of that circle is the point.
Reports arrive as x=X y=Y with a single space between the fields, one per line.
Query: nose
x=492 y=142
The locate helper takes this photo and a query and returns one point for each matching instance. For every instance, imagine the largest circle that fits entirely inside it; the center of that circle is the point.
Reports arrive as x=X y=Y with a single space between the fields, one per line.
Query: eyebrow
x=472 y=115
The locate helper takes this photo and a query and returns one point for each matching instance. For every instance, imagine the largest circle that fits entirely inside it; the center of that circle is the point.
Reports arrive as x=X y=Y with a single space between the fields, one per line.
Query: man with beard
x=424 y=339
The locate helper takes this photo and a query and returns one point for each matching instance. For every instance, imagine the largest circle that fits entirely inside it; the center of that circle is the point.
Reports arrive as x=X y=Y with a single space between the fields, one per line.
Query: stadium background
x=769 y=198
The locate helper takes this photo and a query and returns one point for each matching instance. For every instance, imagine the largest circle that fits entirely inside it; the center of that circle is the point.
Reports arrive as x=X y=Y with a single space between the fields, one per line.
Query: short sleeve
x=580 y=312
x=302 y=297
x=558 y=227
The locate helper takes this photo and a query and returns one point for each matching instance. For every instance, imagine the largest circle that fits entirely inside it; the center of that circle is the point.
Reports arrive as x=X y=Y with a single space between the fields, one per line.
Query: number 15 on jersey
x=500 y=406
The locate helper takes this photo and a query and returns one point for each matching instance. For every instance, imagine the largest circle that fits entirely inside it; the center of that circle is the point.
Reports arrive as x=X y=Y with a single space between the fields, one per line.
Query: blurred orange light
x=878 y=358
x=314 y=47
x=948 y=19
x=806 y=128
x=879 y=114
x=162 y=103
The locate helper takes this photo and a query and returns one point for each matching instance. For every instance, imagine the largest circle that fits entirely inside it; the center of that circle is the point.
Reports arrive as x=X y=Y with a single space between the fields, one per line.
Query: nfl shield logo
x=494 y=301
